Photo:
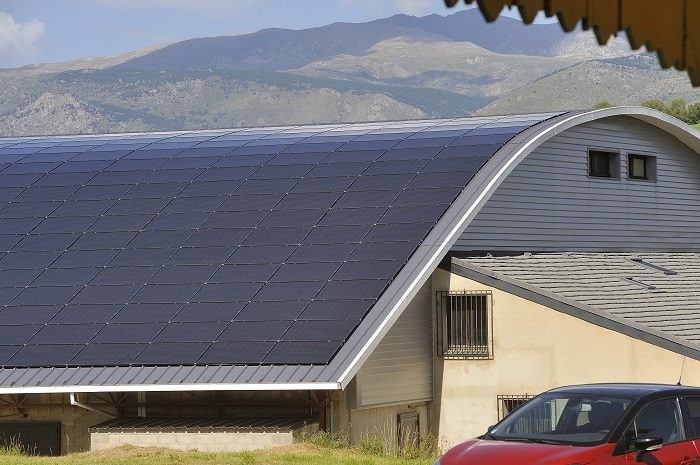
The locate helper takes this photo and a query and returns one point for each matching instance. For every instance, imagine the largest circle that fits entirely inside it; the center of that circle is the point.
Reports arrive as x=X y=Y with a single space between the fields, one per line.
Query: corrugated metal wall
x=548 y=203
x=400 y=369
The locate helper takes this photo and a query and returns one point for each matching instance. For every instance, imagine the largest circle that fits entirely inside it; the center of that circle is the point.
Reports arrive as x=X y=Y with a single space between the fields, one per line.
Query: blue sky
x=40 y=31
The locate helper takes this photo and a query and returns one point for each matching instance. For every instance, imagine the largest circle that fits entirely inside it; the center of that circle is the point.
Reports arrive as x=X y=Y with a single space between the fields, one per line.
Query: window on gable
x=464 y=324
x=641 y=167
x=602 y=164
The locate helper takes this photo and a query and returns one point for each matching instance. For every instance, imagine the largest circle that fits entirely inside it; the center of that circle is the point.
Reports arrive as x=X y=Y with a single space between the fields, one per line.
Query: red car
x=606 y=424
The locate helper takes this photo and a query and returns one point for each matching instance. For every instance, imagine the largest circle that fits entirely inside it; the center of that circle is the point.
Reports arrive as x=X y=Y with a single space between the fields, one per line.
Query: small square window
x=464 y=324
x=641 y=167
x=506 y=404
x=603 y=164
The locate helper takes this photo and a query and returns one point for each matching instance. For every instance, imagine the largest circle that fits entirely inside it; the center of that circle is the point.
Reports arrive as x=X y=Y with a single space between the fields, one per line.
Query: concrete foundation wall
x=201 y=441
x=536 y=349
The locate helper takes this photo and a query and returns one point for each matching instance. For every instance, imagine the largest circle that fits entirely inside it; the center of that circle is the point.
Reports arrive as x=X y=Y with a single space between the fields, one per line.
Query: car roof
x=630 y=389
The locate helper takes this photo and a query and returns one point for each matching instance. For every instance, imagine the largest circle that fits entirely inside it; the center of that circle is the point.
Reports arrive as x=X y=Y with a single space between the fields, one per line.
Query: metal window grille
x=506 y=404
x=464 y=324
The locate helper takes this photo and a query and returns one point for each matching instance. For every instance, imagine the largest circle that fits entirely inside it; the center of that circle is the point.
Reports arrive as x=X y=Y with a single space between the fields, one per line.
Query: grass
x=329 y=450
x=696 y=126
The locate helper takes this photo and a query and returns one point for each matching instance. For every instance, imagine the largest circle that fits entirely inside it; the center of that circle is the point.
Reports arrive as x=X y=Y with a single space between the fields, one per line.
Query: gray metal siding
x=548 y=202
x=401 y=367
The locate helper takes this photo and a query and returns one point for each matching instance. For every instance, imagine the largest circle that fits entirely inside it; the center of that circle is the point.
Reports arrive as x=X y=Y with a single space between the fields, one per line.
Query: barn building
x=229 y=289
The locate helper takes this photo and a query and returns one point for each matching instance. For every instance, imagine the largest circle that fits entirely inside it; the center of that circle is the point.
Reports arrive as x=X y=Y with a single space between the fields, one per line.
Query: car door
x=661 y=418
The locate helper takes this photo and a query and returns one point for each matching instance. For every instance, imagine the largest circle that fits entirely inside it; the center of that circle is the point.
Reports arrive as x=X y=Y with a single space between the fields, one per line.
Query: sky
x=46 y=31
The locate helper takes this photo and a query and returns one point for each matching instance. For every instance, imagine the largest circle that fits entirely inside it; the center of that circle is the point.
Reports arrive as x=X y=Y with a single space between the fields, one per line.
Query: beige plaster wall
x=378 y=422
x=535 y=349
x=194 y=440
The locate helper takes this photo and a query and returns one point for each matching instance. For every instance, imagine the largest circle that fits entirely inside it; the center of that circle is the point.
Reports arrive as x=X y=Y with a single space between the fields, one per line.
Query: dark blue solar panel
x=147 y=313
x=23 y=168
x=18 y=278
x=282 y=291
x=319 y=200
x=281 y=172
x=128 y=332
x=396 y=167
x=166 y=293
x=103 y=240
x=181 y=163
x=82 y=166
x=66 y=277
x=330 y=184
x=410 y=154
x=18 y=180
x=321 y=253
x=293 y=218
x=427 y=196
x=424 y=142
x=107 y=354
x=343 y=234
x=27 y=260
x=237 y=173
x=338 y=216
x=84 y=258
x=399 y=231
x=459 y=151
x=227 y=237
x=49 y=193
x=287 y=310
x=260 y=254
x=255 y=331
x=109 y=223
x=447 y=165
x=439 y=180
x=210 y=188
x=46 y=295
x=125 y=275
x=244 y=273
x=177 y=221
x=107 y=178
x=381 y=182
x=302 y=158
x=194 y=204
x=73 y=314
x=276 y=236
x=160 y=176
x=28 y=209
x=42 y=242
x=100 y=192
x=28 y=314
x=44 y=355
x=243 y=160
x=353 y=146
x=259 y=150
x=136 y=165
x=65 y=179
x=341 y=168
x=310 y=351
x=171 y=353
x=413 y=214
x=7 y=241
x=18 y=225
x=357 y=289
x=201 y=255
x=158 y=192
x=382 y=250
x=336 y=310
x=236 y=352
x=378 y=198
x=12 y=335
x=183 y=274
x=95 y=295
x=82 y=208
x=266 y=186
x=66 y=334
x=66 y=224
x=318 y=330
x=7 y=294
x=191 y=332
x=234 y=219
x=209 y=311
x=370 y=269
x=251 y=202
x=222 y=292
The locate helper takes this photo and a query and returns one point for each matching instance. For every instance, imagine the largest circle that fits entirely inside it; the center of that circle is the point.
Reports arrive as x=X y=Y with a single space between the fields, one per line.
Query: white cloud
x=18 y=40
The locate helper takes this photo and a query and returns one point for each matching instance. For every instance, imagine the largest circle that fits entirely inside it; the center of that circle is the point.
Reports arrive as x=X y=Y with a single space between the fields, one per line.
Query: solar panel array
x=250 y=246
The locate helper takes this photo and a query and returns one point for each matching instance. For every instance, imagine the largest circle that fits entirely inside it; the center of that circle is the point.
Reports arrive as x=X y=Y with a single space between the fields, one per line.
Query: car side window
x=659 y=419
x=694 y=408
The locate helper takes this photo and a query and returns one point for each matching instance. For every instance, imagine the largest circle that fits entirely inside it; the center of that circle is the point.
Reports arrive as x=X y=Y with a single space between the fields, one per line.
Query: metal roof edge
x=93 y=388
x=572 y=307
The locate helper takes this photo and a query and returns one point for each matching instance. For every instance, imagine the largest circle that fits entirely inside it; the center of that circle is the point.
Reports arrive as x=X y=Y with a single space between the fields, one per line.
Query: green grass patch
x=696 y=126
x=305 y=453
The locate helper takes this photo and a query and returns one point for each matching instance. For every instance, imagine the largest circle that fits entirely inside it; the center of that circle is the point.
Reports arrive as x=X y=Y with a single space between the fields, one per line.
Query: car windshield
x=563 y=418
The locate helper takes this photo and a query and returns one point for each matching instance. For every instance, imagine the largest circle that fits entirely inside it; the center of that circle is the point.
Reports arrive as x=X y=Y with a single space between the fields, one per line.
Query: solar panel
x=48 y=193
x=329 y=184
x=243 y=273
x=28 y=315
x=234 y=219
x=100 y=192
x=42 y=242
x=7 y=241
x=276 y=236
x=209 y=311
x=357 y=289
x=336 y=310
x=159 y=192
x=171 y=353
x=251 y=202
x=224 y=237
x=103 y=240
x=307 y=352
x=18 y=335
x=7 y=294
x=381 y=182
x=319 y=330
x=147 y=313
x=413 y=214
x=27 y=260
x=136 y=165
x=237 y=173
x=82 y=208
x=338 y=216
x=44 y=355
x=183 y=274
x=249 y=352
x=382 y=250
x=321 y=200
x=321 y=253
x=107 y=354
x=292 y=218
x=18 y=278
x=66 y=333
x=65 y=277
x=290 y=272
x=370 y=269
x=210 y=188
x=239 y=331
x=201 y=255
x=282 y=291
x=95 y=295
x=377 y=198
x=74 y=314
x=84 y=258
x=65 y=179
x=124 y=275
x=399 y=231
x=28 y=210
x=177 y=221
x=224 y=292
x=116 y=223
x=128 y=332
x=191 y=332
x=166 y=293
x=288 y=310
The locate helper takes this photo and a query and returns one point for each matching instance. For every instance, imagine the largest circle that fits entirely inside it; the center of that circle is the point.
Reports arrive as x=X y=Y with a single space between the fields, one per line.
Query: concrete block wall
x=226 y=441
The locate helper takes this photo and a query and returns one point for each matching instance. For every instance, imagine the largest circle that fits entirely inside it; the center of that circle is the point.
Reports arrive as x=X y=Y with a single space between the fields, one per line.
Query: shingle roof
x=251 y=247
x=655 y=293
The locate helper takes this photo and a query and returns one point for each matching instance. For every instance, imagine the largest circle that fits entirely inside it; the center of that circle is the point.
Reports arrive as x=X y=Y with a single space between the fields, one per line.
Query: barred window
x=506 y=404
x=464 y=323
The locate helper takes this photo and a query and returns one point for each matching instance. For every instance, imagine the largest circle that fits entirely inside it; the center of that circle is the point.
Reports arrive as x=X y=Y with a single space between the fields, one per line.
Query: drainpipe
x=75 y=401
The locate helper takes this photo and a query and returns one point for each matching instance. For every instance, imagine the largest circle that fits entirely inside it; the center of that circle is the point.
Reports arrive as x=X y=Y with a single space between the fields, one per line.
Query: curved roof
x=253 y=259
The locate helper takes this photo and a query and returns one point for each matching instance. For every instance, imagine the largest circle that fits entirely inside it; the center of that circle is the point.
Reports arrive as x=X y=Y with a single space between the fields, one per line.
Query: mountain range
x=402 y=67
